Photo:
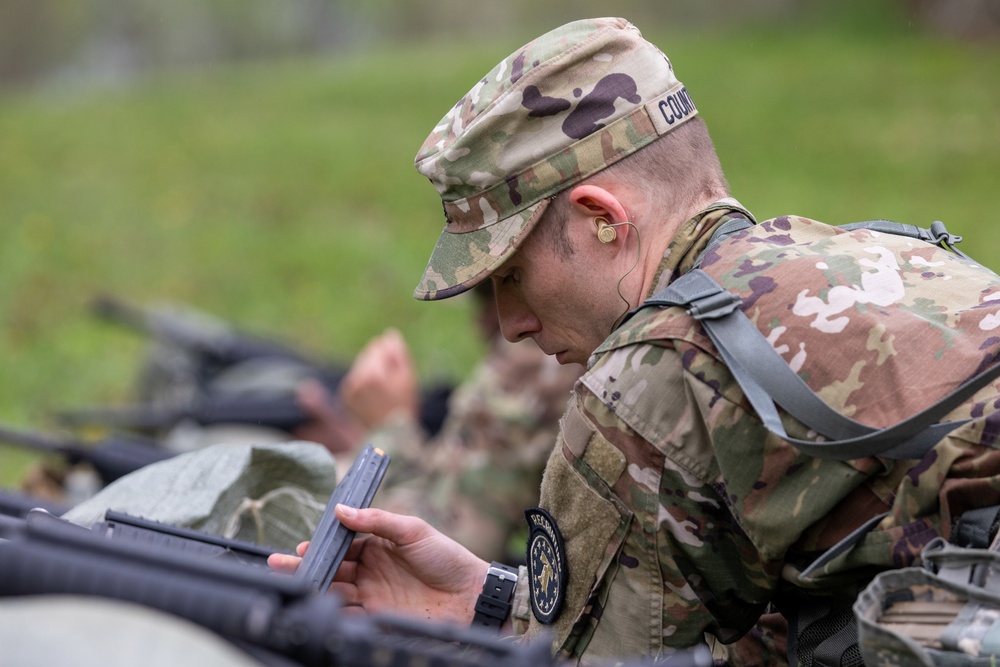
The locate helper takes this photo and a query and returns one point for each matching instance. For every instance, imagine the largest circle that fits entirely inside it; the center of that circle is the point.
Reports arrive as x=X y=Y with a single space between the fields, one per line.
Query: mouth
x=561 y=356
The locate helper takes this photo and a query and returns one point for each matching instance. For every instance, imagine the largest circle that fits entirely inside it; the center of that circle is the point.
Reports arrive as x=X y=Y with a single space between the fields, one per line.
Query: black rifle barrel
x=220 y=343
x=280 y=412
x=37 y=441
x=112 y=457
x=18 y=504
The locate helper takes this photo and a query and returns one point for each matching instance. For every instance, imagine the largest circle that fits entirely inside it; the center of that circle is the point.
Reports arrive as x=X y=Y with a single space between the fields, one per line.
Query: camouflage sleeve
x=404 y=440
x=476 y=477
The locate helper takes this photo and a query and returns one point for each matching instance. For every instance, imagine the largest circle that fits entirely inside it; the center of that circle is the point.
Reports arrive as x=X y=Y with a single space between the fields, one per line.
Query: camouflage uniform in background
x=679 y=515
x=473 y=480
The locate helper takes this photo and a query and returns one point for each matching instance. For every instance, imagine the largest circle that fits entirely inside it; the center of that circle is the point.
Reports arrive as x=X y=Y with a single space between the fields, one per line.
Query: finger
x=347 y=572
x=301 y=547
x=397 y=355
x=346 y=593
x=361 y=368
x=353 y=610
x=283 y=562
x=354 y=549
x=311 y=396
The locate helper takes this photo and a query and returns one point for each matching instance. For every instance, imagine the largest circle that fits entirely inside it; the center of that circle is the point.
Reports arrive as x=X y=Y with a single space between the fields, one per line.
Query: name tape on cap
x=671 y=109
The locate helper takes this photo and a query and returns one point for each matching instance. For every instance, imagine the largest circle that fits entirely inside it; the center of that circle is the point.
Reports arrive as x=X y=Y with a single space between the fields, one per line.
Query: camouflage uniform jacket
x=473 y=480
x=682 y=515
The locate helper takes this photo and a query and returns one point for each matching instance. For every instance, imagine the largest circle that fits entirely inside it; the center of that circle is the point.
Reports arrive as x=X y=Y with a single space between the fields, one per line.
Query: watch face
x=546 y=565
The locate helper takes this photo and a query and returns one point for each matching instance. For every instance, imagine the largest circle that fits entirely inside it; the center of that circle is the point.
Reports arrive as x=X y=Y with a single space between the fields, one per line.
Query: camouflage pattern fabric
x=473 y=480
x=682 y=515
x=765 y=645
x=933 y=615
x=556 y=111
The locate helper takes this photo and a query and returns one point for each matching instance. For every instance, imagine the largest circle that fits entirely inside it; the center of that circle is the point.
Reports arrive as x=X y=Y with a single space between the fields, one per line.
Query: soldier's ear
x=592 y=201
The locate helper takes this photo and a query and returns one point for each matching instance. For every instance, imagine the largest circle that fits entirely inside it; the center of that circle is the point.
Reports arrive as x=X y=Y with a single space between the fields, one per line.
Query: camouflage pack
x=944 y=613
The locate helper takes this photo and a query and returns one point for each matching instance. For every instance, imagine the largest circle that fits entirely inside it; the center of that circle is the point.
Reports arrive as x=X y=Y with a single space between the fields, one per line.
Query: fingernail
x=346 y=512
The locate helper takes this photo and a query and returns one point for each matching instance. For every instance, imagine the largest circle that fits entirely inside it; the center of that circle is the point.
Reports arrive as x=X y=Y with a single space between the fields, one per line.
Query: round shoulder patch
x=546 y=565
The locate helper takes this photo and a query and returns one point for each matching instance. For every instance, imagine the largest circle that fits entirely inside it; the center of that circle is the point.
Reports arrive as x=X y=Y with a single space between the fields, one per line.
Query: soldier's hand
x=382 y=381
x=286 y=562
x=405 y=566
x=330 y=423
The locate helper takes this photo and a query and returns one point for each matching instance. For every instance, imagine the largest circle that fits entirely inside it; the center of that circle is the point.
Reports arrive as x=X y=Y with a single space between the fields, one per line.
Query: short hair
x=679 y=170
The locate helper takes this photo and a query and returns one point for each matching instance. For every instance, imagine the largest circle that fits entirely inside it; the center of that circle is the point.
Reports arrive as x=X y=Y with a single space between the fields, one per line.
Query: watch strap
x=494 y=603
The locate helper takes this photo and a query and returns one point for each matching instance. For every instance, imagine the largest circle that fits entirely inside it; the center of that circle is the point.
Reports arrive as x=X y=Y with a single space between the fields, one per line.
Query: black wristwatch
x=494 y=603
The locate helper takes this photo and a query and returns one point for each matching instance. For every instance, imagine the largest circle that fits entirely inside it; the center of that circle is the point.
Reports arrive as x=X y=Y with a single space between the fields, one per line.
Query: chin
x=567 y=357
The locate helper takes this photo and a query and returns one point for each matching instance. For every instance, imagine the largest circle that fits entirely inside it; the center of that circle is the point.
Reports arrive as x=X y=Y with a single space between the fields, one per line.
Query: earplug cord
x=638 y=253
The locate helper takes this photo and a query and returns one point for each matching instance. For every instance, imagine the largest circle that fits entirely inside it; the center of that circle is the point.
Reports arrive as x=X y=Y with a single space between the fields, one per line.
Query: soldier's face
x=555 y=299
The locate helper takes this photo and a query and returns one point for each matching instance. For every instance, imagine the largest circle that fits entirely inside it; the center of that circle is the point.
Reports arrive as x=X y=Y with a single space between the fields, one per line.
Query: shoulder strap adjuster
x=939 y=234
x=714 y=306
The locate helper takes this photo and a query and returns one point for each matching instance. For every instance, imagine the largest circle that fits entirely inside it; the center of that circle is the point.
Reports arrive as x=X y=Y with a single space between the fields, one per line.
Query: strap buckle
x=714 y=306
x=494 y=603
x=939 y=235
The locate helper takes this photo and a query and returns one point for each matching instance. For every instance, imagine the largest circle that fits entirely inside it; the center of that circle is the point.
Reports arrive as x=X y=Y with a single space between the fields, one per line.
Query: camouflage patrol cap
x=556 y=111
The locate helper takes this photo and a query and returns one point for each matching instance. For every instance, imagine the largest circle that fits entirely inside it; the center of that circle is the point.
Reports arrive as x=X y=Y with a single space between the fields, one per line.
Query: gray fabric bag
x=271 y=494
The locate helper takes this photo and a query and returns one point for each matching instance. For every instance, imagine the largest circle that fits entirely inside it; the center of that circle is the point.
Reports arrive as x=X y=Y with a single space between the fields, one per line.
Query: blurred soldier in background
x=474 y=478
x=469 y=459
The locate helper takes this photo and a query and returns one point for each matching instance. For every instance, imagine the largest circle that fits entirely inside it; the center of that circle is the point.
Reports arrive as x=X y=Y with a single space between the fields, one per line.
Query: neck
x=657 y=235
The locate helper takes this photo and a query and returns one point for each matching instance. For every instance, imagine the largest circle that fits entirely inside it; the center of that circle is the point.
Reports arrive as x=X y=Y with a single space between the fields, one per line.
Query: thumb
x=396 y=528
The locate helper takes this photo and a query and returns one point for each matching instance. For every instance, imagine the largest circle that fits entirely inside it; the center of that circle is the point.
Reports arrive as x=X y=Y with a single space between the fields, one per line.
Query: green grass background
x=282 y=197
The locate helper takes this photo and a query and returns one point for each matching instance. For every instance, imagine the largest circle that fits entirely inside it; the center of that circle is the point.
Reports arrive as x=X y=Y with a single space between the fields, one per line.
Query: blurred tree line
x=112 y=41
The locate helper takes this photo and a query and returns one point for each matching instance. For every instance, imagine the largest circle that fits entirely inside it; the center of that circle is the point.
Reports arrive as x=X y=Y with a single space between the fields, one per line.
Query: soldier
x=579 y=176
x=474 y=478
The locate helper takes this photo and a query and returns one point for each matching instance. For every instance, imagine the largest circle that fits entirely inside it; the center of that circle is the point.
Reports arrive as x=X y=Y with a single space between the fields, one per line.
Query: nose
x=517 y=320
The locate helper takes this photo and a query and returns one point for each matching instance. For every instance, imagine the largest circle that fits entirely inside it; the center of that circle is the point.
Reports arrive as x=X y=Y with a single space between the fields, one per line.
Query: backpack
x=827 y=634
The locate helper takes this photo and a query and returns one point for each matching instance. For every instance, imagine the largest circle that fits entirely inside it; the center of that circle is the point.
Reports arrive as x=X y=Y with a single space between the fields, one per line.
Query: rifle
x=278 y=411
x=216 y=347
x=17 y=504
x=275 y=617
x=281 y=412
x=112 y=457
x=272 y=616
